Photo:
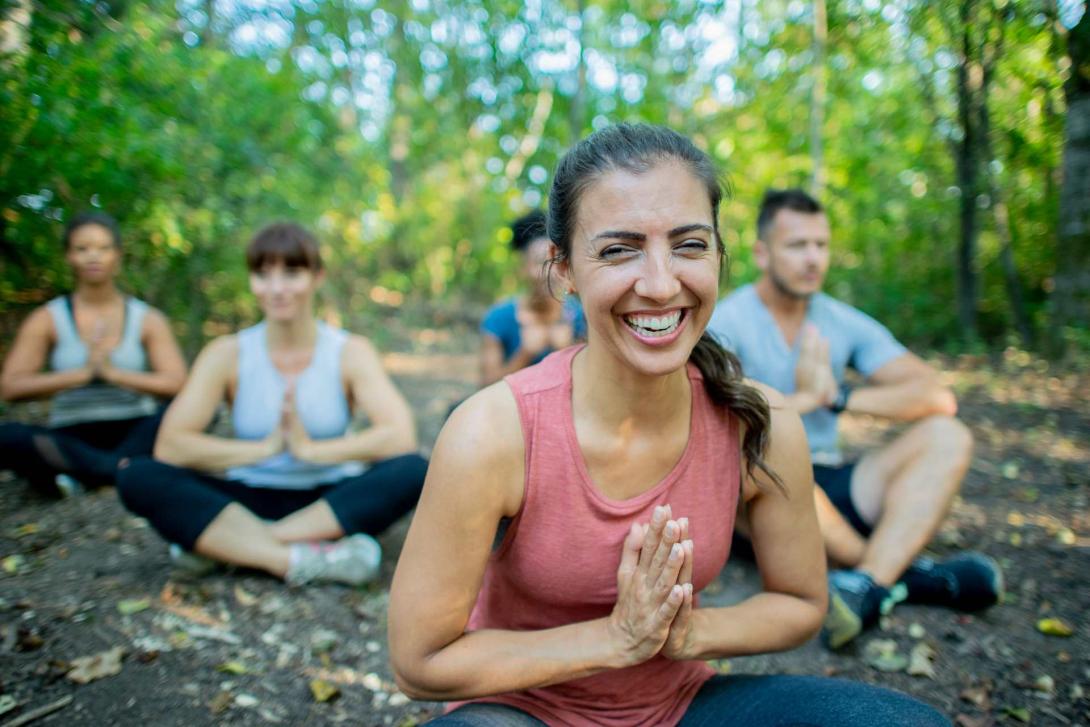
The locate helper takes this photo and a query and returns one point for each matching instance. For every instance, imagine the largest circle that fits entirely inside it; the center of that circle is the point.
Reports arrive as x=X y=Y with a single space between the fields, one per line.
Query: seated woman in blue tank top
x=295 y=492
x=111 y=358
x=522 y=330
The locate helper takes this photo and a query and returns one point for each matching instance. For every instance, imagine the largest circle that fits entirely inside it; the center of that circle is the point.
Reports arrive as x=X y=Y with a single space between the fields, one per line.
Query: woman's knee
x=135 y=480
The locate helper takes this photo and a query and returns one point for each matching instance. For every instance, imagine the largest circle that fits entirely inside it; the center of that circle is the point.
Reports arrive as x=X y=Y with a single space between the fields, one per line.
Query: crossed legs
x=902 y=491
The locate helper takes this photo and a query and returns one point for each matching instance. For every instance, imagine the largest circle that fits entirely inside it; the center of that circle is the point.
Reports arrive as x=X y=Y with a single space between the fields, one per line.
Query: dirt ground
x=81 y=577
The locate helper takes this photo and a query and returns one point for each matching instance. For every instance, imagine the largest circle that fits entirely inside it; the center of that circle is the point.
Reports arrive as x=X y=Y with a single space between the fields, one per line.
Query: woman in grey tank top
x=296 y=492
x=111 y=358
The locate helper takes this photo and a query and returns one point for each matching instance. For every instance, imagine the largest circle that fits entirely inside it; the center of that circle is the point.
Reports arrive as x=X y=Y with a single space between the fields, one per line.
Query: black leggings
x=180 y=503
x=88 y=452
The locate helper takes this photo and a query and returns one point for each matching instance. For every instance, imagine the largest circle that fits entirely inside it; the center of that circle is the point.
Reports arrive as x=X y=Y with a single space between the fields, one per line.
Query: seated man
x=522 y=330
x=878 y=513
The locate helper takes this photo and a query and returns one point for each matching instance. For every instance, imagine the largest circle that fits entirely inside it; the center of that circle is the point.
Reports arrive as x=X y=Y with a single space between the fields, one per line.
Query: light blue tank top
x=320 y=404
x=97 y=401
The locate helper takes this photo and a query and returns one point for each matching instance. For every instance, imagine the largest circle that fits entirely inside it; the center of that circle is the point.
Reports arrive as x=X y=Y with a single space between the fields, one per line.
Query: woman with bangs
x=296 y=492
x=111 y=360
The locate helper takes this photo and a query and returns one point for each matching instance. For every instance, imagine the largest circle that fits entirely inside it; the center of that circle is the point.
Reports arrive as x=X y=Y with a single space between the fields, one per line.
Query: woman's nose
x=657 y=280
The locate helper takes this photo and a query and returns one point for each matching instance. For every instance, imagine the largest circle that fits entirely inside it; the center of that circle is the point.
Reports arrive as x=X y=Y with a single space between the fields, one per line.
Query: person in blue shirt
x=522 y=330
x=877 y=514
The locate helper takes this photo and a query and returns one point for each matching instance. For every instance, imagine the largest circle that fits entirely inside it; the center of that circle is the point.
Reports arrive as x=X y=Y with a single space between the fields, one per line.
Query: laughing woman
x=613 y=473
x=296 y=494
x=110 y=356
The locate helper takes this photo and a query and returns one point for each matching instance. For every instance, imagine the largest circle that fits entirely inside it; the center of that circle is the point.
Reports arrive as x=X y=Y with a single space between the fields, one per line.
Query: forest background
x=407 y=133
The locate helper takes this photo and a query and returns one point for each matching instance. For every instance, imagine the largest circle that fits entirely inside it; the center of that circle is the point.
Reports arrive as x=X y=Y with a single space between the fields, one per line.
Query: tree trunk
x=968 y=166
x=14 y=29
x=577 y=114
x=1071 y=295
x=817 y=101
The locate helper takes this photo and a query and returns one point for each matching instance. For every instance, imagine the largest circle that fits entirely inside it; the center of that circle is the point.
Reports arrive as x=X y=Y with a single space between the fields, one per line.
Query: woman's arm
x=790 y=556
x=22 y=376
x=182 y=441
x=392 y=430
x=167 y=372
x=493 y=367
x=475 y=478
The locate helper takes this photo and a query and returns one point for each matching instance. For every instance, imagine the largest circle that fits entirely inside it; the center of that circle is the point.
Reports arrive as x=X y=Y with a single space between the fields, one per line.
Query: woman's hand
x=648 y=593
x=293 y=432
x=681 y=631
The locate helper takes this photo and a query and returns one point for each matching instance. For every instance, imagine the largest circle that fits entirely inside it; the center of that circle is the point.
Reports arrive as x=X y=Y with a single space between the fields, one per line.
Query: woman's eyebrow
x=685 y=229
x=621 y=235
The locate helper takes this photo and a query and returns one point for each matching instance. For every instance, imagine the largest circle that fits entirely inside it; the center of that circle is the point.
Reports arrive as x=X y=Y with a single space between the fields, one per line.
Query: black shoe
x=967 y=582
x=855 y=603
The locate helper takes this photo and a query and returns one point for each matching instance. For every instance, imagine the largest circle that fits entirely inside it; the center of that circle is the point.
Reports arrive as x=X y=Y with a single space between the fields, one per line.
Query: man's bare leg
x=905 y=489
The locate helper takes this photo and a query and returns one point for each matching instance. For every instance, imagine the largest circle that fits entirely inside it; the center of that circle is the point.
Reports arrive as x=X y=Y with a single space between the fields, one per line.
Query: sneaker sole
x=841 y=623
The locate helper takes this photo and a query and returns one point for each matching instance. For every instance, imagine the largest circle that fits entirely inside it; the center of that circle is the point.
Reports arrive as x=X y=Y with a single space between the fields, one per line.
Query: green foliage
x=408 y=133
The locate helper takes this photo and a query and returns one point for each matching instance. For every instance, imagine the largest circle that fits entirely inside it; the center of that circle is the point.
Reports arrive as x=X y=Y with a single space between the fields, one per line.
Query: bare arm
x=167 y=372
x=904 y=389
x=787 y=542
x=493 y=367
x=182 y=440
x=475 y=478
x=392 y=431
x=22 y=376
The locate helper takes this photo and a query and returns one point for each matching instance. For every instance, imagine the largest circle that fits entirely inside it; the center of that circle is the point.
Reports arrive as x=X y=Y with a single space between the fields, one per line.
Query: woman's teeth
x=654 y=326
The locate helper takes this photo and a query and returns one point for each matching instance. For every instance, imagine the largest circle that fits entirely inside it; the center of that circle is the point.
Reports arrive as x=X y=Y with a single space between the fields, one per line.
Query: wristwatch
x=840 y=403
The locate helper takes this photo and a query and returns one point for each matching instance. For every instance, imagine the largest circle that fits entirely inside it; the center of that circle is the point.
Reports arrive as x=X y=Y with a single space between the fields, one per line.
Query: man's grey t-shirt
x=743 y=324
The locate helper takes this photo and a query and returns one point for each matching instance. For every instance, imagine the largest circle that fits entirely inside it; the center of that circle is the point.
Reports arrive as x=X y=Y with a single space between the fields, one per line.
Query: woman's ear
x=561 y=270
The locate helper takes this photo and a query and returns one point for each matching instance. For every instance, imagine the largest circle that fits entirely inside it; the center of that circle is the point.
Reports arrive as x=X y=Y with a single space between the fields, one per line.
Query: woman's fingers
x=668 y=577
x=653 y=536
x=670 y=535
x=630 y=557
x=668 y=610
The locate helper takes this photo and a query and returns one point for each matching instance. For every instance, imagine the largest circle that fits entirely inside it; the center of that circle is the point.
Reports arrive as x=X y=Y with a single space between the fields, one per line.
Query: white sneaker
x=353 y=560
x=191 y=563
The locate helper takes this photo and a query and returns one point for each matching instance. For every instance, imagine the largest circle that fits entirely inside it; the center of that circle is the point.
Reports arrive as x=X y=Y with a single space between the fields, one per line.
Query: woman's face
x=94 y=257
x=285 y=293
x=645 y=263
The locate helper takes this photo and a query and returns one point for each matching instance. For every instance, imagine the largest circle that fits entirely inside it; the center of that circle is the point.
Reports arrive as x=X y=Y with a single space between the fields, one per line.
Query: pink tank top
x=558 y=561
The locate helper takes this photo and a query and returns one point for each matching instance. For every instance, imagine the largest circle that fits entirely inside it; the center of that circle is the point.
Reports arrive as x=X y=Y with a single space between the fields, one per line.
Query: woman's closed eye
x=613 y=252
x=692 y=246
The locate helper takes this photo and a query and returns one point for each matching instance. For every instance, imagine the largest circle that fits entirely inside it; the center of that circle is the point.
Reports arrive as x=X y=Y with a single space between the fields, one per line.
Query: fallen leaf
x=323 y=691
x=1019 y=713
x=921 y=661
x=104 y=664
x=1054 y=627
x=1010 y=470
x=397 y=699
x=964 y=720
x=221 y=702
x=916 y=631
x=1045 y=683
x=247 y=700
x=979 y=696
x=12 y=564
x=882 y=655
x=25 y=529
x=323 y=640
x=234 y=667
x=7 y=703
x=244 y=597
x=129 y=606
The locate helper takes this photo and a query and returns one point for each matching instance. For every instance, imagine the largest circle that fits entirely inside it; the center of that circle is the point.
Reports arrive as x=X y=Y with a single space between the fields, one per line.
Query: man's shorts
x=837 y=483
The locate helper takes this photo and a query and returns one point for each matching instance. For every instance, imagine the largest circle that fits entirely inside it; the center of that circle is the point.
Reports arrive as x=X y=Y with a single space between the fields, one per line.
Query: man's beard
x=781 y=285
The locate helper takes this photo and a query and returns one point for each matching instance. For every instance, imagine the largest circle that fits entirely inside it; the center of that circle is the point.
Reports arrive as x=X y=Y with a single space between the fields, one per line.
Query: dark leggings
x=180 y=503
x=758 y=701
x=88 y=452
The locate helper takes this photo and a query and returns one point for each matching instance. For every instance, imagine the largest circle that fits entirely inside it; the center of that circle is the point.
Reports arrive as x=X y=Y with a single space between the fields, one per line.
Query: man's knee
x=947 y=437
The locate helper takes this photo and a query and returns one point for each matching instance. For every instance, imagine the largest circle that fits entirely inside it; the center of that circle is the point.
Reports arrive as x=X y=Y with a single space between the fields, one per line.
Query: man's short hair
x=783 y=199
x=526 y=229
